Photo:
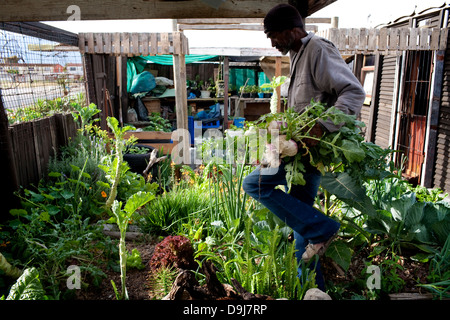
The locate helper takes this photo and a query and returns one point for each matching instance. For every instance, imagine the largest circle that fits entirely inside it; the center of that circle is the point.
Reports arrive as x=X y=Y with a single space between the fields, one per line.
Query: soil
x=137 y=281
x=139 y=287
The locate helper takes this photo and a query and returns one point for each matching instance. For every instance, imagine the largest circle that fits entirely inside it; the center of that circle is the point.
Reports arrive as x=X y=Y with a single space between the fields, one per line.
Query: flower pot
x=254 y=95
x=138 y=162
x=246 y=95
x=260 y=94
x=268 y=95
x=205 y=94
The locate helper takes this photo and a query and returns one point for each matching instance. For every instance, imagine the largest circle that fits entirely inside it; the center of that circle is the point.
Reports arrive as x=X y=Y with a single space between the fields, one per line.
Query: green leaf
x=54 y=174
x=137 y=200
x=352 y=151
x=67 y=194
x=18 y=212
x=27 y=287
x=341 y=253
x=348 y=189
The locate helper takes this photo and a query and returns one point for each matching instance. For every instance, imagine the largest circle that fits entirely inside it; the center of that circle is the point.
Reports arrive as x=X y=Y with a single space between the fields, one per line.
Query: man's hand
x=316 y=131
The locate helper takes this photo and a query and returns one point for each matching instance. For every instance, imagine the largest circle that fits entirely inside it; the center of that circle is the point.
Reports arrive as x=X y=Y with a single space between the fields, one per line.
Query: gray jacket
x=318 y=72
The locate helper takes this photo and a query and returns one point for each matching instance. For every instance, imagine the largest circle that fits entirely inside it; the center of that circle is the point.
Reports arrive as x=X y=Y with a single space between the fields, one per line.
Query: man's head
x=280 y=24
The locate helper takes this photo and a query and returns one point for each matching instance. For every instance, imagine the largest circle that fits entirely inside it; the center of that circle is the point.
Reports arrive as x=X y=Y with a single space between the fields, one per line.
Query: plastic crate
x=212 y=124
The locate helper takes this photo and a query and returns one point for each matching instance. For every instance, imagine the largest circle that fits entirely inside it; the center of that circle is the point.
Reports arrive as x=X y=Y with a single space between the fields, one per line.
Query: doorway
x=413 y=112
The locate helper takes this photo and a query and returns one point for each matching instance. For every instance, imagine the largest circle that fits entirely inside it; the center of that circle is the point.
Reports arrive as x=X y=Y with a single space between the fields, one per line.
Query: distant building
x=30 y=71
x=75 y=70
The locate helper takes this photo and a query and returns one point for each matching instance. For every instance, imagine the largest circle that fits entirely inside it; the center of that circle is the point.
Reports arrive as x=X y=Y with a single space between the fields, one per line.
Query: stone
x=316 y=294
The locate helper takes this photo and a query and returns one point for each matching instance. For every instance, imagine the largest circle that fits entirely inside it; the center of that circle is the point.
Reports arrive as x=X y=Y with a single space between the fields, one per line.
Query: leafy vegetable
x=27 y=287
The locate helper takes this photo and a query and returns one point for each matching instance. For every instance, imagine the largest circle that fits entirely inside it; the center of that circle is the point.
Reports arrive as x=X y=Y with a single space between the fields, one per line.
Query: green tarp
x=136 y=65
x=238 y=76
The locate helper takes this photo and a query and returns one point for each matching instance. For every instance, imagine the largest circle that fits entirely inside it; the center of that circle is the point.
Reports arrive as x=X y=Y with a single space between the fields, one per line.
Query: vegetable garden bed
x=391 y=226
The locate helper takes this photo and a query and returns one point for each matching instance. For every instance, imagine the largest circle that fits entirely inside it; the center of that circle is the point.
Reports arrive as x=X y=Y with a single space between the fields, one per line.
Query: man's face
x=283 y=41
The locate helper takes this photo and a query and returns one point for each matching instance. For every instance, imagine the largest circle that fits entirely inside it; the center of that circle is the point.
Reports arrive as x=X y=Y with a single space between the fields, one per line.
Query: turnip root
x=288 y=148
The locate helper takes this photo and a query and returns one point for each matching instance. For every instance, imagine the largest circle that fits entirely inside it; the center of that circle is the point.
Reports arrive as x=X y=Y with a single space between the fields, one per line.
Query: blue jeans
x=295 y=209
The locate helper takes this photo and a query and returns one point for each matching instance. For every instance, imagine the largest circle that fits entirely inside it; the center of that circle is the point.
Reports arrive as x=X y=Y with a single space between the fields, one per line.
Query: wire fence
x=38 y=77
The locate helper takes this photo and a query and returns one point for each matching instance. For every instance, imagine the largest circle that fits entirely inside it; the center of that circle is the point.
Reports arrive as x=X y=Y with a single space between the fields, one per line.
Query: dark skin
x=290 y=40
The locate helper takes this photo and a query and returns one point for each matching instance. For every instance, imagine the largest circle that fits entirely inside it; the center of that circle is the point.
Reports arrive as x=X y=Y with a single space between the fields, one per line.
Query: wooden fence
x=133 y=44
x=386 y=40
x=34 y=142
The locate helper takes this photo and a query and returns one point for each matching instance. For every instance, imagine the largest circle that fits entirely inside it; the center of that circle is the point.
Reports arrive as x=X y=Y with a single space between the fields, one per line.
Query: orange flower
x=104 y=195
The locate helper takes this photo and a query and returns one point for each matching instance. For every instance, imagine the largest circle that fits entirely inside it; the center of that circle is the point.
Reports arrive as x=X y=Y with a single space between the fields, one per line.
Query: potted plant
x=212 y=90
x=245 y=91
x=204 y=92
x=268 y=93
x=260 y=92
x=253 y=91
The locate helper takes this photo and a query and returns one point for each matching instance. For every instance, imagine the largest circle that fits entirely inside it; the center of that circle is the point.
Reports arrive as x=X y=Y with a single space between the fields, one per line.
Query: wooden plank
x=362 y=45
x=383 y=43
x=353 y=39
x=177 y=44
x=107 y=42
x=125 y=41
x=164 y=43
x=435 y=37
x=81 y=43
x=50 y=10
x=334 y=37
x=372 y=40
x=412 y=39
x=153 y=44
x=145 y=44
x=99 y=43
x=135 y=44
x=424 y=39
x=403 y=45
x=343 y=39
x=443 y=39
x=90 y=40
x=117 y=43
x=394 y=40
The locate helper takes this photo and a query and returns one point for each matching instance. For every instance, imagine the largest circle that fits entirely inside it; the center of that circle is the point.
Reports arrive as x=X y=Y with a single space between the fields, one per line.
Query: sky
x=351 y=13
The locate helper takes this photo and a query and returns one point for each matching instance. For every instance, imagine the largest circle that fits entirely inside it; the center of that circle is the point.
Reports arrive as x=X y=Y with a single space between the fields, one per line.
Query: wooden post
x=226 y=75
x=277 y=74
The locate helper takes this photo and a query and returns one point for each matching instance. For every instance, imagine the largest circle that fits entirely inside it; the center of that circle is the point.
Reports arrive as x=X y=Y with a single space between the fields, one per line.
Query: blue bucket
x=239 y=122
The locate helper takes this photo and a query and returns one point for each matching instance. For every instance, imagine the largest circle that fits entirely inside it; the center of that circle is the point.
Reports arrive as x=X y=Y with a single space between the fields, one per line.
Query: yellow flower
x=104 y=195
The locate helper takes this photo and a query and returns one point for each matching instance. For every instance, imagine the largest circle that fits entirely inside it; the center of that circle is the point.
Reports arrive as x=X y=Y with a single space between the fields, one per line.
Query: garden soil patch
x=137 y=281
x=139 y=285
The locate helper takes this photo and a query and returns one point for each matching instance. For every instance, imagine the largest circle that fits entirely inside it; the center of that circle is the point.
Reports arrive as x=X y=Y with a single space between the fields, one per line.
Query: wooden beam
x=179 y=68
x=226 y=77
x=40 y=30
x=277 y=74
x=57 y=10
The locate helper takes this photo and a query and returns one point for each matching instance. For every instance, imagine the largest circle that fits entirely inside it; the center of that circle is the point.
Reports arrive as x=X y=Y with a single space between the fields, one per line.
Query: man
x=317 y=72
